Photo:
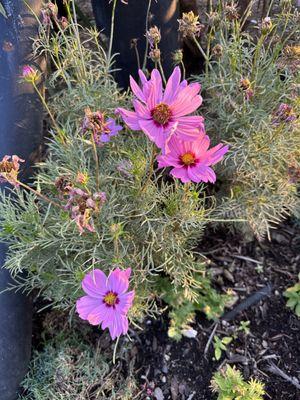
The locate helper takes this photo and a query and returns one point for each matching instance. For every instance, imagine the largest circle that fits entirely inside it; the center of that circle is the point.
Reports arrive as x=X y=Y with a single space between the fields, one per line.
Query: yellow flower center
x=111 y=299
x=161 y=113
x=188 y=159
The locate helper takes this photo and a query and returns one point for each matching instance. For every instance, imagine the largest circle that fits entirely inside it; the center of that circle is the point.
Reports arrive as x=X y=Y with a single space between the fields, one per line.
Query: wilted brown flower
x=9 y=169
x=214 y=19
x=290 y=59
x=246 y=86
x=293 y=174
x=189 y=25
x=63 y=184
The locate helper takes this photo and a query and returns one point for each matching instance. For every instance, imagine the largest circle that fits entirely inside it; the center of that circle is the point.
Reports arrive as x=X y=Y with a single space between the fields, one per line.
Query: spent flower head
x=177 y=57
x=154 y=55
x=83 y=206
x=107 y=300
x=246 y=87
x=284 y=114
x=9 y=169
x=217 y=50
x=63 y=184
x=153 y=36
x=231 y=12
x=189 y=25
x=49 y=12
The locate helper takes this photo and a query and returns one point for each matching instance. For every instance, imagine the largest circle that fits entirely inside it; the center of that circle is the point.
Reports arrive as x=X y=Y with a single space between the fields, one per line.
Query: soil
x=181 y=371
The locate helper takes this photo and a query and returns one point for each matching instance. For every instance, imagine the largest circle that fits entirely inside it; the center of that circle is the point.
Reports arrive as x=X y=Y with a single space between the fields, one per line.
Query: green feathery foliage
x=230 y=385
x=247 y=79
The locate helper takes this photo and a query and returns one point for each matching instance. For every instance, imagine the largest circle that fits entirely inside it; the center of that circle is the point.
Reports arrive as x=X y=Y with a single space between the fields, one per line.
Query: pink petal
x=85 y=305
x=172 y=86
x=187 y=101
x=117 y=326
x=94 y=283
x=100 y=314
x=118 y=281
x=136 y=89
x=130 y=118
x=125 y=302
x=216 y=154
x=181 y=173
x=141 y=110
x=153 y=131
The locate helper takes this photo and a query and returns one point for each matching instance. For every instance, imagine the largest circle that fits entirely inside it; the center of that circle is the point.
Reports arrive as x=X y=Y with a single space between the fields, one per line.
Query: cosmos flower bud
x=266 y=25
x=189 y=25
x=153 y=36
x=177 y=57
x=30 y=74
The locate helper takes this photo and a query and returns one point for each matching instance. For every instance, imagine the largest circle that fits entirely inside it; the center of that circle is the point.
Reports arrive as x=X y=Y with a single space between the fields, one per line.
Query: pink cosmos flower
x=191 y=161
x=9 y=169
x=161 y=113
x=107 y=301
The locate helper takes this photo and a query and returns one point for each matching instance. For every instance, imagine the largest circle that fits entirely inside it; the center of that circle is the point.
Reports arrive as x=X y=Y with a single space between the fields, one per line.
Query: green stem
x=183 y=69
x=96 y=161
x=112 y=28
x=162 y=72
x=151 y=167
x=147 y=44
x=206 y=58
x=256 y=56
x=61 y=136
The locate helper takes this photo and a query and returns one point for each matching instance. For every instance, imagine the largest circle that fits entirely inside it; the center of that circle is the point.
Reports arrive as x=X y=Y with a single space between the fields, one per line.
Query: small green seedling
x=230 y=385
x=293 y=296
x=221 y=345
x=244 y=327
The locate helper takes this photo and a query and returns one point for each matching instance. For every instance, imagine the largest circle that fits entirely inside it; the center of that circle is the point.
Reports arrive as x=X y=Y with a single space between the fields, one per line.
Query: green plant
x=244 y=327
x=230 y=385
x=293 y=296
x=248 y=81
x=220 y=345
x=70 y=366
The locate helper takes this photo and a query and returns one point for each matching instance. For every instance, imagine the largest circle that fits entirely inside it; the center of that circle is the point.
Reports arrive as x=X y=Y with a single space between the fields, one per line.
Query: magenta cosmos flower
x=191 y=161
x=107 y=301
x=160 y=113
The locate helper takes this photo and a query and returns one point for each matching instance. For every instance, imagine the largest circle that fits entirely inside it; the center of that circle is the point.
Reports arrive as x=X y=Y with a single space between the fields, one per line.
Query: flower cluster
x=9 y=169
x=102 y=129
x=107 y=301
x=82 y=206
x=163 y=115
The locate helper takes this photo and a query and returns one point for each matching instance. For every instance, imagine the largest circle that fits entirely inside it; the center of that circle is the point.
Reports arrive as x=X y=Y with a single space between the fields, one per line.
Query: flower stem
x=38 y=194
x=112 y=27
x=96 y=161
x=59 y=131
x=115 y=350
x=147 y=44
x=162 y=72
x=151 y=167
x=206 y=58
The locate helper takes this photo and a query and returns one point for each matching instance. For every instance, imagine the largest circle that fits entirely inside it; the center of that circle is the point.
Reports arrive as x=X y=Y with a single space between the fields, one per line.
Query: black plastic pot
x=21 y=134
x=130 y=23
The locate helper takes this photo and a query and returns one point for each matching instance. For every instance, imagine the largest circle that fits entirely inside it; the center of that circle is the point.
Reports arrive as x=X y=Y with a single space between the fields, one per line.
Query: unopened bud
x=153 y=36
x=177 y=57
x=266 y=26
x=217 y=51
x=154 y=54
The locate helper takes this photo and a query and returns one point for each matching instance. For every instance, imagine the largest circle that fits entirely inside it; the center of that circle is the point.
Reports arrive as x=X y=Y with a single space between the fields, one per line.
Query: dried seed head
x=214 y=19
x=63 y=184
x=217 y=50
x=153 y=36
x=231 y=12
x=189 y=25
x=154 y=54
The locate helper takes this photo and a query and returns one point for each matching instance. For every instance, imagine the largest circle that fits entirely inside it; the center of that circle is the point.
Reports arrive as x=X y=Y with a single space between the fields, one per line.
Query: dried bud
x=153 y=36
x=266 y=25
x=189 y=25
x=63 y=184
x=30 y=74
x=49 y=12
x=214 y=19
x=9 y=169
x=245 y=85
x=64 y=23
x=231 y=12
x=217 y=51
x=154 y=54
x=177 y=57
